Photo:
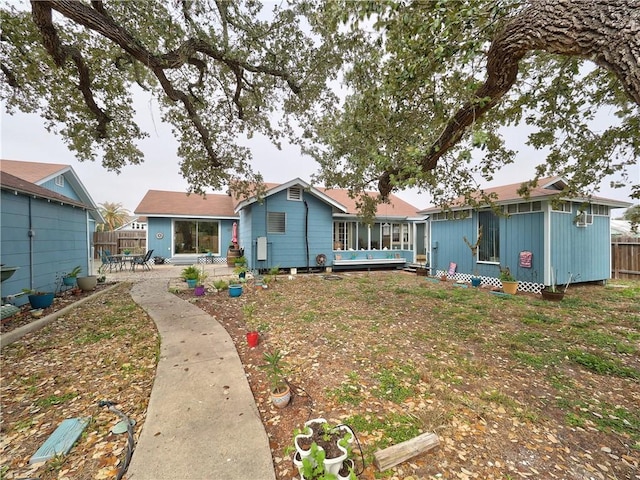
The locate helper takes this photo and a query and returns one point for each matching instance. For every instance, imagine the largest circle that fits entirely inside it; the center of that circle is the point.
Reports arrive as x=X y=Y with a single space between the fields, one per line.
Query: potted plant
x=126 y=251
x=323 y=450
x=69 y=279
x=191 y=274
x=509 y=282
x=241 y=271
x=553 y=292
x=252 y=332
x=39 y=299
x=279 y=388
x=200 y=281
x=158 y=260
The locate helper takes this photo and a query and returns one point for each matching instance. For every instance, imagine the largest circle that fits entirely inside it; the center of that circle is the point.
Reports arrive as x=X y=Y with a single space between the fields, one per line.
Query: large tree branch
x=604 y=31
x=41 y=13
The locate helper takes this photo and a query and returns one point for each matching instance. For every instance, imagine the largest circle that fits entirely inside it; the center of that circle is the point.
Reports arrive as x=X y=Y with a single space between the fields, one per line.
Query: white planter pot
x=331 y=465
x=87 y=283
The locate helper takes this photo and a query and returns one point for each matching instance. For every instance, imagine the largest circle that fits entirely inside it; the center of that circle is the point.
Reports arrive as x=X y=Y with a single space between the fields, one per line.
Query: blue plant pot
x=191 y=283
x=235 y=290
x=69 y=281
x=41 y=301
x=475 y=281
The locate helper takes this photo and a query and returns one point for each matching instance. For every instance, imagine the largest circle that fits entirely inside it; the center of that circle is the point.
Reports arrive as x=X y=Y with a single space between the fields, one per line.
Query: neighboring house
x=133 y=224
x=294 y=225
x=44 y=232
x=541 y=242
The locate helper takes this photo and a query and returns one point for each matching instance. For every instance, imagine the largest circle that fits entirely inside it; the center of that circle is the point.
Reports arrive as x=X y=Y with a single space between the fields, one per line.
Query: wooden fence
x=625 y=258
x=117 y=242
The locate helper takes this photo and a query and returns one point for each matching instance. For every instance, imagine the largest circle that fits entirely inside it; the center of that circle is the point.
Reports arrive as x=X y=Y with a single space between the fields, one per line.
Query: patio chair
x=108 y=261
x=142 y=261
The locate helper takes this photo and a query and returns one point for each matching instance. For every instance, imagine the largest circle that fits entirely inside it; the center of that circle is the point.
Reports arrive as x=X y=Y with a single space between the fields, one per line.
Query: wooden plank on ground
x=392 y=456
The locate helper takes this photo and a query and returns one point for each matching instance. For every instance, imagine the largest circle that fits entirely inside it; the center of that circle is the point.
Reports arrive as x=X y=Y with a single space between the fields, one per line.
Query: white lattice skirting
x=529 y=287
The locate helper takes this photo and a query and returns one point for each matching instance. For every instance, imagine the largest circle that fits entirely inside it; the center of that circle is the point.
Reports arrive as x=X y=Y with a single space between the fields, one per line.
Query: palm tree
x=114 y=215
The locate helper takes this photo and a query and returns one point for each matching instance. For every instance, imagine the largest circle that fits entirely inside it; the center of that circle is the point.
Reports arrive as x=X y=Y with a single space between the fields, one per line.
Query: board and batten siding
x=522 y=232
x=584 y=252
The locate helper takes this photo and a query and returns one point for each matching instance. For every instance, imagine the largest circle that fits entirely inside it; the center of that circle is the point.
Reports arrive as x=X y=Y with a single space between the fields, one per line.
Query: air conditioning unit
x=583 y=219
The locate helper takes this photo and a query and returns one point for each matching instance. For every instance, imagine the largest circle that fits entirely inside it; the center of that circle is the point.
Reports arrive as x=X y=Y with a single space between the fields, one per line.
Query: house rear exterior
x=293 y=225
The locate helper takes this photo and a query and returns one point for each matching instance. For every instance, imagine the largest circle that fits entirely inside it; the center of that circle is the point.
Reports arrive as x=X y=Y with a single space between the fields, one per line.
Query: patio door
x=195 y=237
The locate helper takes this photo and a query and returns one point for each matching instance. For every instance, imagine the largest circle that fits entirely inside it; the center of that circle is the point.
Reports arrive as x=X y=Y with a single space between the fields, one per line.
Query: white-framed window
x=525 y=207
x=562 y=207
x=294 y=193
x=59 y=181
x=276 y=222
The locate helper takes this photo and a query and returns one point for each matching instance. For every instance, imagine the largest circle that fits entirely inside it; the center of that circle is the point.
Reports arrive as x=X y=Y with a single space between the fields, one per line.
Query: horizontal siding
x=59 y=243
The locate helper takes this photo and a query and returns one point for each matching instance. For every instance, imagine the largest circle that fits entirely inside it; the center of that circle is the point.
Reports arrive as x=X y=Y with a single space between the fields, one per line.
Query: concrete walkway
x=202 y=421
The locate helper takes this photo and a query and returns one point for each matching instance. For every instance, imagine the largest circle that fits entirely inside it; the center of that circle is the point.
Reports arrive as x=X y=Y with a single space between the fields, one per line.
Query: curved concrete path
x=202 y=421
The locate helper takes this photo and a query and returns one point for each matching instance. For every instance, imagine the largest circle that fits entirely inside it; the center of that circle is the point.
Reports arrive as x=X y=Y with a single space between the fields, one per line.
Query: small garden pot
x=252 y=339
x=198 y=291
x=235 y=290
x=69 y=281
x=509 y=287
x=475 y=281
x=281 y=400
x=41 y=300
x=443 y=278
x=87 y=283
x=191 y=282
x=556 y=296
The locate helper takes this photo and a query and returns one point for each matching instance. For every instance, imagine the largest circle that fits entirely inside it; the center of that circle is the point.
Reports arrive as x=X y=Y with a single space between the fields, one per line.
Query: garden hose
x=130 y=441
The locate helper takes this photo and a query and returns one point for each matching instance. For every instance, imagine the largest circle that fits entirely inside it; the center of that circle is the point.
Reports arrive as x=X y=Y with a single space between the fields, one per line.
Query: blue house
x=47 y=220
x=293 y=225
x=540 y=240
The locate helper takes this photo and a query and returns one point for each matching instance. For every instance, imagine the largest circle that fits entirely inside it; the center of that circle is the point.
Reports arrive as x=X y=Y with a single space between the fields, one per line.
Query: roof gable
x=39 y=173
x=12 y=183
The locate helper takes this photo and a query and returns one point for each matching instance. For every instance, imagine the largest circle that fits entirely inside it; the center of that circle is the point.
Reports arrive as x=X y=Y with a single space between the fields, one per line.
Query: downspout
x=30 y=233
x=306 y=232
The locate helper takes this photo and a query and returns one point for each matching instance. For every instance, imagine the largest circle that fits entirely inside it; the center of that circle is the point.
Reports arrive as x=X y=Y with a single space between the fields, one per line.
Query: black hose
x=130 y=441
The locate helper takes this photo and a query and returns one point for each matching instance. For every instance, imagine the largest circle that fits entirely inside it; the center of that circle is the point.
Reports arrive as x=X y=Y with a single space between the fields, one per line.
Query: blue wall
x=60 y=242
x=289 y=250
x=581 y=251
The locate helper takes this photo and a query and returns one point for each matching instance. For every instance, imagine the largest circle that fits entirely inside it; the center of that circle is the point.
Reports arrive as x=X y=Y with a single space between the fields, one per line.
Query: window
x=191 y=236
x=59 y=181
x=276 y=222
x=561 y=207
x=489 y=248
x=294 y=193
x=523 y=207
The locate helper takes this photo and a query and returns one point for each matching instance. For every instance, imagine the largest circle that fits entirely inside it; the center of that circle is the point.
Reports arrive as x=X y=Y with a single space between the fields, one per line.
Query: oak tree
x=392 y=94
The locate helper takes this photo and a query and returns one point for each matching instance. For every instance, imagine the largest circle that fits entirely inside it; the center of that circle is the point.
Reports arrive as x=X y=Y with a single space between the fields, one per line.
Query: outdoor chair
x=142 y=261
x=108 y=262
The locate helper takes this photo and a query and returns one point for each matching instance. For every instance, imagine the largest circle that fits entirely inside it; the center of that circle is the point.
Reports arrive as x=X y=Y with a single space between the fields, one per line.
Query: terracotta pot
x=252 y=339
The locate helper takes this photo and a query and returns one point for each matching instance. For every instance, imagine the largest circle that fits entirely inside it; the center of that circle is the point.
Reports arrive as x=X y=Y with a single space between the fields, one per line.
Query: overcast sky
x=23 y=137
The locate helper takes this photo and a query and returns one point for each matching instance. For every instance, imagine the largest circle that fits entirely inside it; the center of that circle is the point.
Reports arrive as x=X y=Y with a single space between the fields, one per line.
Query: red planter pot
x=252 y=339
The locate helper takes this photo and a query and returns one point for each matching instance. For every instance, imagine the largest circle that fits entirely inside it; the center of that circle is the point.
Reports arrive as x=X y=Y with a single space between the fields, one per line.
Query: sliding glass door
x=196 y=236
